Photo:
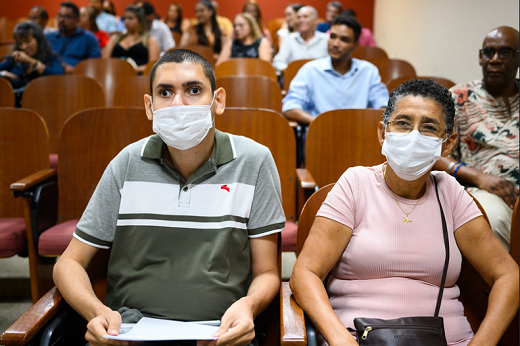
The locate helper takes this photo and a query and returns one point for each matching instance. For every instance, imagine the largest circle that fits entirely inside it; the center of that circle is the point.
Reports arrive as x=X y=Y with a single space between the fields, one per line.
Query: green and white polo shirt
x=180 y=249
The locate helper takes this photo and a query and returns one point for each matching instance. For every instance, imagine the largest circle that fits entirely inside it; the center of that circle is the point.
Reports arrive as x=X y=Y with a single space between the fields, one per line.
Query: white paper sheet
x=153 y=329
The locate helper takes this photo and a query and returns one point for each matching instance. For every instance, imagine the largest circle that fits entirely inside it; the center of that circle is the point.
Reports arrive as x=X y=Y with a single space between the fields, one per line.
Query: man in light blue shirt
x=337 y=81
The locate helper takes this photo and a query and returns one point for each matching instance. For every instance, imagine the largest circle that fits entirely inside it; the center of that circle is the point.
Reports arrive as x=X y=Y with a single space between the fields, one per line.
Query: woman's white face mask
x=411 y=154
x=183 y=127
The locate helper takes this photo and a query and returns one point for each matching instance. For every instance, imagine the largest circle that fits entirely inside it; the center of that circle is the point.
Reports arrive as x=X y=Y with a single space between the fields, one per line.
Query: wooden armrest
x=305 y=179
x=292 y=326
x=33 y=179
x=26 y=327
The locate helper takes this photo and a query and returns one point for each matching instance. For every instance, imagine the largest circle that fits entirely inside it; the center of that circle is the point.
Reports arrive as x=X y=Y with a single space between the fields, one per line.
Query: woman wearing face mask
x=380 y=234
x=31 y=58
x=248 y=41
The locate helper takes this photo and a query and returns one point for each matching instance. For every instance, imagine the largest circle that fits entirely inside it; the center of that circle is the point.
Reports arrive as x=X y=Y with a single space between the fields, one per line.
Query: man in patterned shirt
x=486 y=157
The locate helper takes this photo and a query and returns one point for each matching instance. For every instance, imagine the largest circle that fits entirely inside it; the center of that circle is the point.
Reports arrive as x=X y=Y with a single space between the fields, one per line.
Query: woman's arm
x=485 y=253
x=225 y=53
x=322 y=250
x=107 y=51
x=265 y=50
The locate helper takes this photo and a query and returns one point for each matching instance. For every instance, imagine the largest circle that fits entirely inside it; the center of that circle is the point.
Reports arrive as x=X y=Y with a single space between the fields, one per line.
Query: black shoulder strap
x=447 y=246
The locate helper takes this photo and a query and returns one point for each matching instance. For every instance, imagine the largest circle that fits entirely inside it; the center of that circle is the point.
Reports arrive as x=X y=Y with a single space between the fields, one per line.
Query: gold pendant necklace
x=406 y=219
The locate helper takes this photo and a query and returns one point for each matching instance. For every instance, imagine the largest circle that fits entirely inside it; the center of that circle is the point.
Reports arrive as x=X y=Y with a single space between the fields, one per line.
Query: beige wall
x=440 y=37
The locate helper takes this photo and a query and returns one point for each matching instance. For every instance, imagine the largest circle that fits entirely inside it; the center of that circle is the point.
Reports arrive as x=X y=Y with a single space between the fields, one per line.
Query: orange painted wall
x=228 y=8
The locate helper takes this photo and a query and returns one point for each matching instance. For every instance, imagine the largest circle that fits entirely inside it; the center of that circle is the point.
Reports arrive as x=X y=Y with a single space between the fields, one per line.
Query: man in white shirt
x=157 y=28
x=307 y=43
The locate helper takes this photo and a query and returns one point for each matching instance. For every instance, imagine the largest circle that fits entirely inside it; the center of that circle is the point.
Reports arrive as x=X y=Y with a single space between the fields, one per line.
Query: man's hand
x=237 y=326
x=106 y=323
x=67 y=68
x=500 y=187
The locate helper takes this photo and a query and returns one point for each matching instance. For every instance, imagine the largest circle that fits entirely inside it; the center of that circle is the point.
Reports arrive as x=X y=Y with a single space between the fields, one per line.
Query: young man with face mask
x=191 y=216
x=380 y=232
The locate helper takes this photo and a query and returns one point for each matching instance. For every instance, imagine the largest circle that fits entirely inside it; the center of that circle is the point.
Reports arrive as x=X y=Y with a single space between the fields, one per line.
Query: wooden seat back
x=89 y=140
x=394 y=83
x=291 y=70
x=56 y=98
x=131 y=91
x=340 y=139
x=108 y=72
x=6 y=48
x=205 y=51
x=6 y=93
x=369 y=53
x=393 y=68
x=252 y=92
x=246 y=67
x=271 y=129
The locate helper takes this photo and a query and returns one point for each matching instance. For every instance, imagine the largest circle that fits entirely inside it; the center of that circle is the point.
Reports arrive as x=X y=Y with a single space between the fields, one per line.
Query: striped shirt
x=488 y=135
x=180 y=248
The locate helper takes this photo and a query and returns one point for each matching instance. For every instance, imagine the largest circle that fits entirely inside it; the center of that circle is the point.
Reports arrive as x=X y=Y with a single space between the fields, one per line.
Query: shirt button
x=185 y=189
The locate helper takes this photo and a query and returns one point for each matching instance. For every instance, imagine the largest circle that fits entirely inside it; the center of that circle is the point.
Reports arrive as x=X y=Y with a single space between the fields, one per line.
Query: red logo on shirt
x=225 y=187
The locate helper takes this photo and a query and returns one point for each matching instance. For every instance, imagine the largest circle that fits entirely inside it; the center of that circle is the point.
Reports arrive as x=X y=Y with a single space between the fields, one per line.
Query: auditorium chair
x=130 y=92
x=88 y=141
x=291 y=70
x=51 y=321
x=369 y=53
x=273 y=26
x=246 y=67
x=57 y=97
x=271 y=129
x=337 y=140
x=296 y=329
x=6 y=93
x=108 y=72
x=394 y=83
x=393 y=68
x=6 y=48
x=24 y=149
x=205 y=51
x=251 y=91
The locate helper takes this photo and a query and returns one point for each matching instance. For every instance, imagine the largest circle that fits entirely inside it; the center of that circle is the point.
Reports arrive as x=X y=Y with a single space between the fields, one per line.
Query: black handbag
x=408 y=331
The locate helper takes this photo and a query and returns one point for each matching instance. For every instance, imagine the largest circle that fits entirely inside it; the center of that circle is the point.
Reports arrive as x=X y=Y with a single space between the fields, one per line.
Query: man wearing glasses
x=485 y=158
x=71 y=42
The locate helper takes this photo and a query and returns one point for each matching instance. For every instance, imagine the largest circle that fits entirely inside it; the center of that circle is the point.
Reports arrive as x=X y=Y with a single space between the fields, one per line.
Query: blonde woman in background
x=248 y=41
x=135 y=46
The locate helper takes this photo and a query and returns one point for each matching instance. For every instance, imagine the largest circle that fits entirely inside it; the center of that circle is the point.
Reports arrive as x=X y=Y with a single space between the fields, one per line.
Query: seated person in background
x=365 y=38
x=39 y=15
x=485 y=158
x=157 y=28
x=248 y=41
x=337 y=81
x=32 y=57
x=291 y=22
x=108 y=7
x=136 y=45
x=104 y=20
x=71 y=42
x=174 y=19
x=225 y=25
x=252 y=7
x=307 y=43
x=207 y=31
x=334 y=9
x=87 y=21
x=382 y=264
x=198 y=199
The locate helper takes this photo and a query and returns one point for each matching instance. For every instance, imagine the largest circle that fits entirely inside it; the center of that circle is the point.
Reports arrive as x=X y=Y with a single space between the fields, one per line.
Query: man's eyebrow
x=192 y=82
x=164 y=86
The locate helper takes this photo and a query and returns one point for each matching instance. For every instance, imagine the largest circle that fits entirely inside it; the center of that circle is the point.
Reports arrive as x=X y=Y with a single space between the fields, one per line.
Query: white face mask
x=411 y=154
x=183 y=127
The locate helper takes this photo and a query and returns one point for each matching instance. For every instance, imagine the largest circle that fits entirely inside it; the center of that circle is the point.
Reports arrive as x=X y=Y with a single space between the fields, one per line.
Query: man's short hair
x=42 y=12
x=73 y=7
x=425 y=88
x=312 y=9
x=336 y=4
x=184 y=55
x=148 y=8
x=351 y=22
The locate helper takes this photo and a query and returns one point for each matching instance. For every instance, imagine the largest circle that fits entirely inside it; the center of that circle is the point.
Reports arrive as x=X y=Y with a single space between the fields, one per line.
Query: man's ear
x=381 y=132
x=220 y=101
x=447 y=146
x=148 y=106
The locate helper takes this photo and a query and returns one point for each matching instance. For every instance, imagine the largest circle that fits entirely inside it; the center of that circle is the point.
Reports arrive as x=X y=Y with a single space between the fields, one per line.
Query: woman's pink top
x=390 y=268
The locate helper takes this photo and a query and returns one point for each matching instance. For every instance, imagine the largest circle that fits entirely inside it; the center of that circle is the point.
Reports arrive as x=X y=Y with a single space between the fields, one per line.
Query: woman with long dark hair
x=207 y=32
x=32 y=57
x=174 y=19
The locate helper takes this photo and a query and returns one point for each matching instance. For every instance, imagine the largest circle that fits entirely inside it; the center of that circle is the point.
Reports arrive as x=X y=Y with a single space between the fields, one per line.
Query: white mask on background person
x=411 y=154
x=184 y=126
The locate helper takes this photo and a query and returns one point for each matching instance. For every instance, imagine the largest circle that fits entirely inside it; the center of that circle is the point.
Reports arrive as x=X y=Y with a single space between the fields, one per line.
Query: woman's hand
x=22 y=57
x=8 y=74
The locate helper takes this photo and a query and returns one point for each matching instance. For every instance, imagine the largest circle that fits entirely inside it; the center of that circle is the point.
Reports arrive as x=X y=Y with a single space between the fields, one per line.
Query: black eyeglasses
x=503 y=53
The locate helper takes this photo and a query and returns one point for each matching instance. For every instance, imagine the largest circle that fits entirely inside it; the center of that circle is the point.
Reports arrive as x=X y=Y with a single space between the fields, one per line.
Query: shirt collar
x=353 y=67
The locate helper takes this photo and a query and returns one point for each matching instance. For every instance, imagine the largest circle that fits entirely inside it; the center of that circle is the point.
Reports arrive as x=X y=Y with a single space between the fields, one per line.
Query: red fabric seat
x=12 y=236
x=289 y=236
x=55 y=240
